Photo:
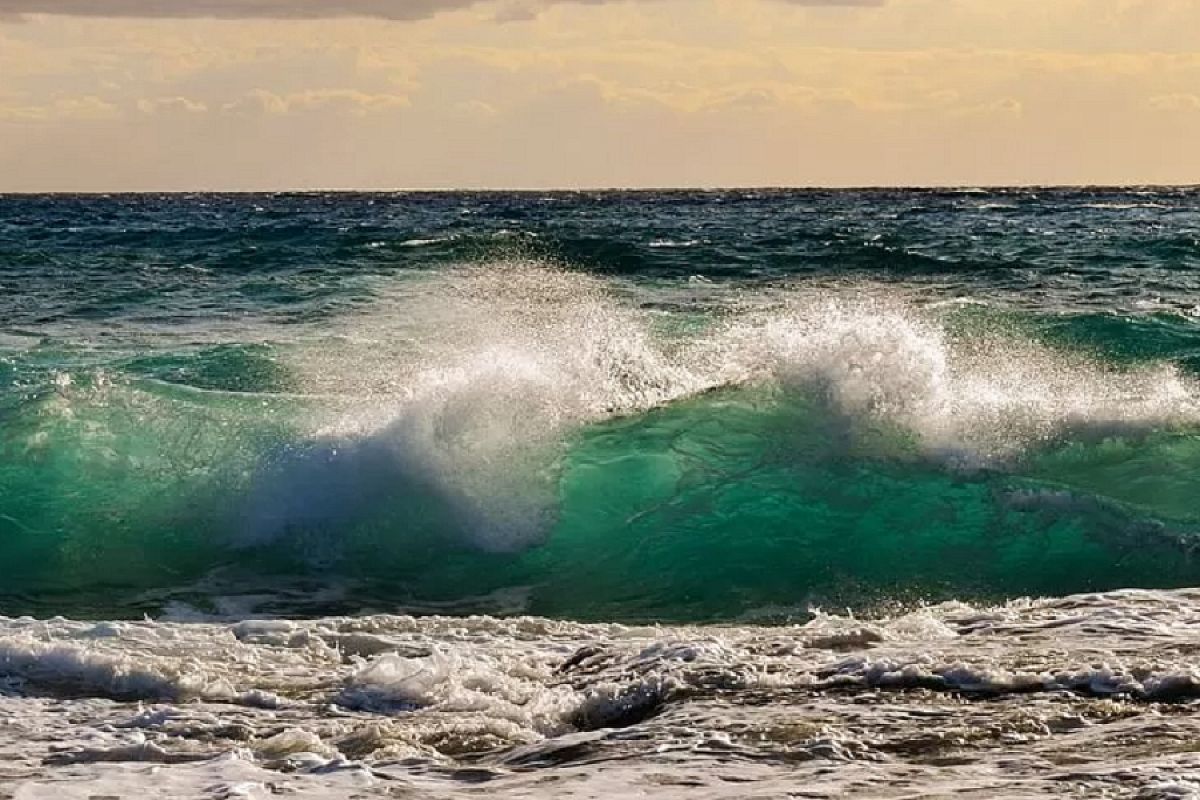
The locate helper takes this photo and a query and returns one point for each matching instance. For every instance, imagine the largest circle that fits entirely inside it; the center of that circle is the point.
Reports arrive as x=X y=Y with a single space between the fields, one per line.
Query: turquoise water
x=612 y=406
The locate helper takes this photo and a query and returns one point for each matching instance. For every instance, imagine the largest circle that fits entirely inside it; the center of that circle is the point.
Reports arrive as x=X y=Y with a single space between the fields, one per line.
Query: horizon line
x=961 y=187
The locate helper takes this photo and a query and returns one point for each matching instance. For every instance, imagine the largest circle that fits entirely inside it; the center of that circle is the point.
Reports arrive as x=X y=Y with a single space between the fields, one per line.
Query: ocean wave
x=840 y=443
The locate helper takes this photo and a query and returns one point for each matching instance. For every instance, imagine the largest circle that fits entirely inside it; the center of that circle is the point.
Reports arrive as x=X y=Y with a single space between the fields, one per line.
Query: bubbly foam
x=365 y=705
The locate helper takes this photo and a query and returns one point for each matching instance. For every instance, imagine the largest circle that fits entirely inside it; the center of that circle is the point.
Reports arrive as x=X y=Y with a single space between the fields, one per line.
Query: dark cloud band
x=399 y=10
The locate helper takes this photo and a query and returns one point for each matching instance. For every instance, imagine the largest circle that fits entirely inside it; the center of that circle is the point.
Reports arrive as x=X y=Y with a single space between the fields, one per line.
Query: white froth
x=344 y=706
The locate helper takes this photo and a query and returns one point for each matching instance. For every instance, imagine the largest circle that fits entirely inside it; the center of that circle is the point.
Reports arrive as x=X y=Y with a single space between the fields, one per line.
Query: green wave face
x=106 y=487
x=727 y=505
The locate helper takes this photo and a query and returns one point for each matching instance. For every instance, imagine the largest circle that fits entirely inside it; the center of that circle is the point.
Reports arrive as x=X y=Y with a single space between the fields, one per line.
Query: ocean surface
x=601 y=494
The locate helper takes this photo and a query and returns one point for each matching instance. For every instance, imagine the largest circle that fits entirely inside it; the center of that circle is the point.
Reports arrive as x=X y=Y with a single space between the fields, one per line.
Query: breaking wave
x=515 y=427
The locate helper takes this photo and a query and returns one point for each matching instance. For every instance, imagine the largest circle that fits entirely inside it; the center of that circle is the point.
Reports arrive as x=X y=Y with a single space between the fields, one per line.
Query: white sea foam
x=977 y=398
x=362 y=706
x=462 y=386
x=426 y=242
x=475 y=416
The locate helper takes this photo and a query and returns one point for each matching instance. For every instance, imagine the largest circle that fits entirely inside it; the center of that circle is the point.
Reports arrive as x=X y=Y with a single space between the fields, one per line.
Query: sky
x=188 y=95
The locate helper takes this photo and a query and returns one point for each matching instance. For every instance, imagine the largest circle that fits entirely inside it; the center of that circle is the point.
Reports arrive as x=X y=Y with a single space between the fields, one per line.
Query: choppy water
x=733 y=409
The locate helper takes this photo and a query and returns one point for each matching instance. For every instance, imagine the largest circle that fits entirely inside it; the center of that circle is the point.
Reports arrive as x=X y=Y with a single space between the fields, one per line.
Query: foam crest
x=453 y=398
x=461 y=389
x=972 y=398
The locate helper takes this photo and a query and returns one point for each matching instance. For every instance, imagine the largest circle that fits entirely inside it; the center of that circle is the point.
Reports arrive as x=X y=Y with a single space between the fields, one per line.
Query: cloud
x=1175 y=102
x=170 y=105
x=1004 y=108
x=399 y=10
x=338 y=101
x=234 y=9
x=64 y=108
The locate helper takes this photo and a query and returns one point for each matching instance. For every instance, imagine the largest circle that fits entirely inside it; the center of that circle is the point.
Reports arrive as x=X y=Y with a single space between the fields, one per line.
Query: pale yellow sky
x=114 y=95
